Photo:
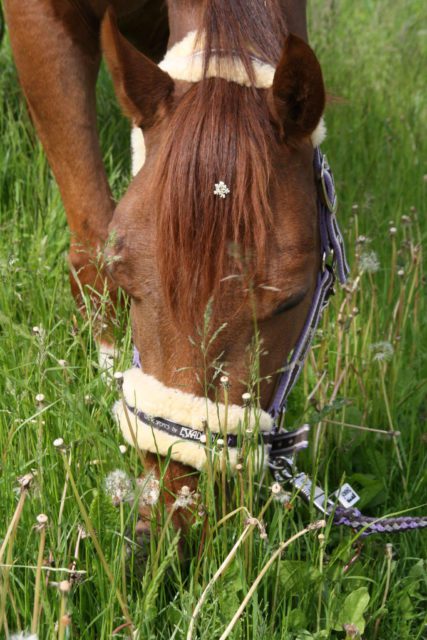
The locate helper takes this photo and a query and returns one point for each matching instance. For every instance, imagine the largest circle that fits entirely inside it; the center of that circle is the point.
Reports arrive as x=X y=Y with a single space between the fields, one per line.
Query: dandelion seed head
x=392 y=231
x=123 y=448
x=24 y=635
x=62 y=363
x=382 y=351
x=58 y=443
x=185 y=498
x=118 y=486
x=42 y=519
x=276 y=488
x=39 y=398
x=64 y=586
x=369 y=262
x=401 y=273
x=148 y=490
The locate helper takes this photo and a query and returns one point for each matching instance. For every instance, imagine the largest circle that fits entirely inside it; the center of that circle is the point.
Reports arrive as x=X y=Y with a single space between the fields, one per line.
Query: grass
x=373 y=55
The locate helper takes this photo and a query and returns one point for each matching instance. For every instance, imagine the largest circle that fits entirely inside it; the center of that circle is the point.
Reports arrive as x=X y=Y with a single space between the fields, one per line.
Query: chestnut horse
x=236 y=100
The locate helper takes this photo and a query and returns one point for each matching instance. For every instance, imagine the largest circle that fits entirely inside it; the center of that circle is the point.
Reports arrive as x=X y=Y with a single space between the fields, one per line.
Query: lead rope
x=282 y=451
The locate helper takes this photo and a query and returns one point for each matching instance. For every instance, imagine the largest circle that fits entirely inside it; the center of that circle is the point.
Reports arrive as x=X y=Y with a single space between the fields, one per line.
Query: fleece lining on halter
x=184 y=61
x=146 y=394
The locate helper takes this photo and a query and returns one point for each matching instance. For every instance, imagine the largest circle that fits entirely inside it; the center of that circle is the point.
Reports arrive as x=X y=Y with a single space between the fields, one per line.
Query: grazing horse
x=216 y=240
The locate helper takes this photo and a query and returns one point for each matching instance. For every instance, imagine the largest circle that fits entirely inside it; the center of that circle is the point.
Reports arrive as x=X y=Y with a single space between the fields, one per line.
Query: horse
x=216 y=241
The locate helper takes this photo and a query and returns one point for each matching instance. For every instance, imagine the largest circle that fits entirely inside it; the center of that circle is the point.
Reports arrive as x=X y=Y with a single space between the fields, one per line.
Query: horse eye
x=290 y=302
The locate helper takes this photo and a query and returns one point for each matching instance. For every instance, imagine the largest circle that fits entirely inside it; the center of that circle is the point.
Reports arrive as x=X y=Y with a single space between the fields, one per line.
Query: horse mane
x=218 y=131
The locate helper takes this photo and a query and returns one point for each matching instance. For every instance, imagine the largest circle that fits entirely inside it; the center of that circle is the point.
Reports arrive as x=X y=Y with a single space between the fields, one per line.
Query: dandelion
x=382 y=351
x=363 y=240
x=401 y=273
x=225 y=381
x=58 y=443
x=392 y=231
x=148 y=490
x=246 y=397
x=62 y=363
x=185 y=498
x=118 y=486
x=40 y=398
x=122 y=448
x=276 y=489
x=279 y=494
x=369 y=262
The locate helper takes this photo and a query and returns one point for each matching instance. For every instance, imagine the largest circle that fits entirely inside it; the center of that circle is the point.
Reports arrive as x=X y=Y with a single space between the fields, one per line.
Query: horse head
x=216 y=240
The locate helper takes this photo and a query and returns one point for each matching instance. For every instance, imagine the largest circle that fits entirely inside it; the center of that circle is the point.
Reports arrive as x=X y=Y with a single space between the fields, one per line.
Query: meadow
x=79 y=574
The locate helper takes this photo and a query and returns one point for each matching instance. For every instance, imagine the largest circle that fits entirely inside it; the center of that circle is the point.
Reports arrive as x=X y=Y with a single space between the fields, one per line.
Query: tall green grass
x=374 y=56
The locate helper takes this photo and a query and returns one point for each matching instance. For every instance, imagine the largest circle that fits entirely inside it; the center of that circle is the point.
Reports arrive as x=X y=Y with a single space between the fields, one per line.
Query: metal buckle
x=284 y=470
x=332 y=206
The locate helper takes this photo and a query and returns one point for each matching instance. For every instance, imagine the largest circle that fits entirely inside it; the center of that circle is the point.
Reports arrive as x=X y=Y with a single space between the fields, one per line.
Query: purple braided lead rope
x=367 y=525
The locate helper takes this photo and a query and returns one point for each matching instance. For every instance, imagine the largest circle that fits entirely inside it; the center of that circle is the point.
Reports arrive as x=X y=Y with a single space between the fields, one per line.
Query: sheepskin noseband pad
x=145 y=394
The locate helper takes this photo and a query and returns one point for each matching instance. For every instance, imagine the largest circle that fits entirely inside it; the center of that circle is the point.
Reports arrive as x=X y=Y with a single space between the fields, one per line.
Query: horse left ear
x=297 y=97
x=143 y=89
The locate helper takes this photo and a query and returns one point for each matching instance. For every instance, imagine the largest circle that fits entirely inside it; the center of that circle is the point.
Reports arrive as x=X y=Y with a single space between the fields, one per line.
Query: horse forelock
x=219 y=131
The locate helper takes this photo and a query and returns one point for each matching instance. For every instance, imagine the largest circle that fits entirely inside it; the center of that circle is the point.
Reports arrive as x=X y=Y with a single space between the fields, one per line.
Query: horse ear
x=297 y=97
x=143 y=89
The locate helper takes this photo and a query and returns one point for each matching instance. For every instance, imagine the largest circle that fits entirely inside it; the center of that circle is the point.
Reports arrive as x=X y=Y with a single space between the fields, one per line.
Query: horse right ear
x=297 y=97
x=143 y=89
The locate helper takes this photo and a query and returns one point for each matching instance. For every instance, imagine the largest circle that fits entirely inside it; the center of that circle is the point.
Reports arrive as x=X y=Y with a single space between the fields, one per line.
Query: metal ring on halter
x=331 y=205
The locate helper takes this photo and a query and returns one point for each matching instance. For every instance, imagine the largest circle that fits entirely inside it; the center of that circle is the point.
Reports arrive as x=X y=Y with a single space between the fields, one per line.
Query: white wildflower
x=148 y=490
x=118 y=486
x=369 y=262
x=39 y=398
x=24 y=635
x=246 y=397
x=123 y=448
x=276 y=489
x=279 y=494
x=382 y=351
x=221 y=189
x=185 y=498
